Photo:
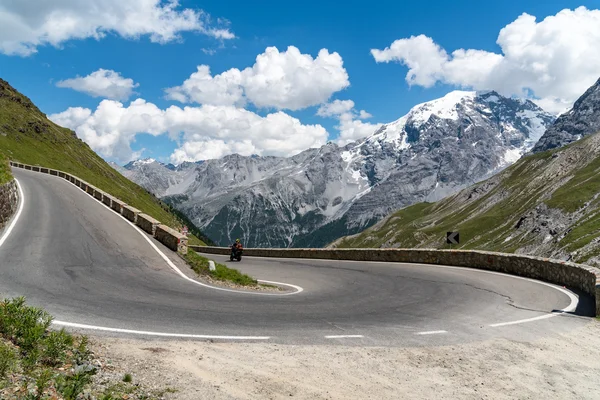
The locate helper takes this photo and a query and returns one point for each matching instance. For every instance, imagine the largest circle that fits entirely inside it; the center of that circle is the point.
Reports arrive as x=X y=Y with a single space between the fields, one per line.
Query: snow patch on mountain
x=443 y=108
x=310 y=199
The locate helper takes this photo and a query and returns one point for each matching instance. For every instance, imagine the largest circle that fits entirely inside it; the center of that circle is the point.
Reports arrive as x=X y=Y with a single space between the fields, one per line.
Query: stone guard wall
x=169 y=237
x=577 y=276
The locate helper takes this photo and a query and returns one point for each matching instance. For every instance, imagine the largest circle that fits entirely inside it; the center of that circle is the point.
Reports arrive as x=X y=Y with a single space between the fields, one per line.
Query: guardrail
x=169 y=237
x=563 y=273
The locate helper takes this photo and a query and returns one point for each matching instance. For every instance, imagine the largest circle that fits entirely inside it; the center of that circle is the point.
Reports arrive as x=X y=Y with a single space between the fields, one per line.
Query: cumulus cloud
x=201 y=87
x=552 y=61
x=351 y=126
x=335 y=108
x=26 y=25
x=204 y=132
x=102 y=83
x=282 y=80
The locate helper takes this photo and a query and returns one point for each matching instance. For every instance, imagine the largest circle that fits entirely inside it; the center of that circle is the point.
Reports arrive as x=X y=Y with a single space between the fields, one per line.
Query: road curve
x=87 y=265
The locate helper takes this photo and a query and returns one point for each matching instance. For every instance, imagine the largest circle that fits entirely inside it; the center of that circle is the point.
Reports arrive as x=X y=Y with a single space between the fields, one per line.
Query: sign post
x=184 y=230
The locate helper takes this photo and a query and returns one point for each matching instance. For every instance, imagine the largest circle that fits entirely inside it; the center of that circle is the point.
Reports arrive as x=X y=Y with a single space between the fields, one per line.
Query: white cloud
x=553 y=60
x=335 y=108
x=282 y=80
x=352 y=129
x=205 y=132
x=25 y=25
x=364 y=115
x=201 y=87
x=350 y=125
x=102 y=83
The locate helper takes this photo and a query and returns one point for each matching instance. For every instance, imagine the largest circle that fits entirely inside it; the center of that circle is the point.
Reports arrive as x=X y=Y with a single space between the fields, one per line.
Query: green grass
x=584 y=185
x=5 y=175
x=487 y=219
x=27 y=136
x=39 y=354
x=39 y=363
x=222 y=273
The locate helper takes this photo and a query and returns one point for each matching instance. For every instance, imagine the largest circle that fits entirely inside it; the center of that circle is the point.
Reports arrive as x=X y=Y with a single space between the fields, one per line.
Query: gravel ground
x=563 y=366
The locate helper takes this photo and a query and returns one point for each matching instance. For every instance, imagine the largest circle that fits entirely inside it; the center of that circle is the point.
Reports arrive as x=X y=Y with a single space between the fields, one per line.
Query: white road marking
x=570 y=308
x=343 y=336
x=16 y=218
x=162 y=334
x=184 y=276
x=430 y=332
x=522 y=321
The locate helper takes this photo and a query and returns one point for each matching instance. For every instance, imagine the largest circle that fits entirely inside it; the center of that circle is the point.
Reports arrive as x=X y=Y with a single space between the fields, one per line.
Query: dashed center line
x=430 y=332
x=344 y=336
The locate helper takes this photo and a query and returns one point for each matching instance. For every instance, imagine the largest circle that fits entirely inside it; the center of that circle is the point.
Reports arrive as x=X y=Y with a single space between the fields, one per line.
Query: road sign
x=452 y=237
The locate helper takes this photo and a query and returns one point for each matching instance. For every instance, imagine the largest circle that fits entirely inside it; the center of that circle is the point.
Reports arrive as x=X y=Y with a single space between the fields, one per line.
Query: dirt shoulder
x=563 y=366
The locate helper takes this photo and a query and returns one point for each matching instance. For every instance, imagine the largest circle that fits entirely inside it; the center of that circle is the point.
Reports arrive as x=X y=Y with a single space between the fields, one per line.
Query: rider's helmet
x=237 y=240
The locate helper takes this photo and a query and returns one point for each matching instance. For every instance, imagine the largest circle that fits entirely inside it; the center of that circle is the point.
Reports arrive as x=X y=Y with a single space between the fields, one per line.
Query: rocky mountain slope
x=547 y=204
x=312 y=198
x=27 y=136
x=582 y=120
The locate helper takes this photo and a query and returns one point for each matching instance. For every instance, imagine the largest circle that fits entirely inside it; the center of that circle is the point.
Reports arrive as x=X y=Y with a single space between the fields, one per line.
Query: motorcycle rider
x=236 y=247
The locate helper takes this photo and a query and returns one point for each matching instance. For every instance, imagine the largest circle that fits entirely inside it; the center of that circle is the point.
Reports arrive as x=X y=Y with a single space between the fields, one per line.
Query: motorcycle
x=236 y=254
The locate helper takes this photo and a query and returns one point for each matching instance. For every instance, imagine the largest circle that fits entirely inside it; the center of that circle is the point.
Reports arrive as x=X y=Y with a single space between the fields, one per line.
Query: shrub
x=82 y=354
x=8 y=360
x=42 y=382
x=72 y=386
x=55 y=347
x=23 y=325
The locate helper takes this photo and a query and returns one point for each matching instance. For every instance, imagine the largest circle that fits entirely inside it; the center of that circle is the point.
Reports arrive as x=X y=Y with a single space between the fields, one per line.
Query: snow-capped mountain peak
x=310 y=199
x=139 y=163
x=444 y=108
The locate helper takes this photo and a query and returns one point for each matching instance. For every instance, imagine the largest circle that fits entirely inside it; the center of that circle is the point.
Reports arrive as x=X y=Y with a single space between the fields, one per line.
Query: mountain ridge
x=434 y=150
x=546 y=204
x=581 y=120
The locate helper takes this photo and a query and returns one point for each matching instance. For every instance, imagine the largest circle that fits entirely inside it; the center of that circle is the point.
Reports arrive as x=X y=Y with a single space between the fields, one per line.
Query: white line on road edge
x=162 y=334
x=430 y=332
x=343 y=336
x=184 y=276
x=570 y=308
x=16 y=218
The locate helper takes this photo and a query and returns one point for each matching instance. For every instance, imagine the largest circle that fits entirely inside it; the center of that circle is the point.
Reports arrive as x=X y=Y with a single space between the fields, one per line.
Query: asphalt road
x=87 y=265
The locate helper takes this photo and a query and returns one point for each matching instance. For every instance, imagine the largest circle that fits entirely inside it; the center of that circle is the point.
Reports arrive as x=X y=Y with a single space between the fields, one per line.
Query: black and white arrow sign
x=452 y=237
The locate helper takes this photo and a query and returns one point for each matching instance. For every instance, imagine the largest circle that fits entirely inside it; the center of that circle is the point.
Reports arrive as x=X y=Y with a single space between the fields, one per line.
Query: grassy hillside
x=5 y=175
x=546 y=204
x=27 y=136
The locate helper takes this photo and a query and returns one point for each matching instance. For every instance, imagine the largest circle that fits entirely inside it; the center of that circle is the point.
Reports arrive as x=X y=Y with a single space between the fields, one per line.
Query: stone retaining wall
x=9 y=200
x=131 y=213
x=147 y=223
x=576 y=276
x=118 y=205
x=98 y=194
x=170 y=237
x=107 y=199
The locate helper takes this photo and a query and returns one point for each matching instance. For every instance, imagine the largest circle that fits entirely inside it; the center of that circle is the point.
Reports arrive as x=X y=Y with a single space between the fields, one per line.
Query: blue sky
x=350 y=29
